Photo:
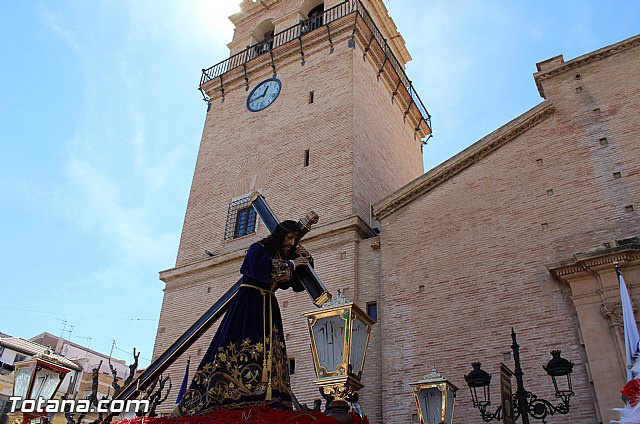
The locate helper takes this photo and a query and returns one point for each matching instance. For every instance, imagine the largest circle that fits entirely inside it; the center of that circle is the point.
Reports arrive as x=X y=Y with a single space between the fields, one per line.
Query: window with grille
x=241 y=219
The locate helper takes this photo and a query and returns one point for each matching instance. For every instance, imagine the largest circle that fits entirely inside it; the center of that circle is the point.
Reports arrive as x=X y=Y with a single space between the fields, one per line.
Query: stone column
x=596 y=297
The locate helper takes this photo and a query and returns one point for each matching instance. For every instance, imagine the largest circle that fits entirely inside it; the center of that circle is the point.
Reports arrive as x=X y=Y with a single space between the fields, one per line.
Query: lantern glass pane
x=45 y=384
x=451 y=398
x=328 y=334
x=359 y=336
x=21 y=384
x=431 y=404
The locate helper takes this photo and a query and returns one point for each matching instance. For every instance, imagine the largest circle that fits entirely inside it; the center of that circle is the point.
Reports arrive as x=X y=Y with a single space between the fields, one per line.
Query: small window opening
x=310 y=97
x=245 y=222
x=306 y=157
x=241 y=219
x=628 y=208
x=617 y=175
x=545 y=226
x=421 y=288
x=578 y=76
x=550 y=192
x=604 y=141
x=208 y=289
x=292 y=366
x=372 y=310
x=539 y=162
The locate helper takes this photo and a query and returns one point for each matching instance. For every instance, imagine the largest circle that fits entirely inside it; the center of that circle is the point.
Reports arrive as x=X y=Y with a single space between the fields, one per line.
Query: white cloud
x=57 y=25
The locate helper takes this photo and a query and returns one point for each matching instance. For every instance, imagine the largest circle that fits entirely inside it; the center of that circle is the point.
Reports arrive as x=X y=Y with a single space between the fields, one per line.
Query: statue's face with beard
x=290 y=239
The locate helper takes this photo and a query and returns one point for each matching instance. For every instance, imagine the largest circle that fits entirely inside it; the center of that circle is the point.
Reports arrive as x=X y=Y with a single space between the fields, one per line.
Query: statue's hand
x=300 y=260
x=301 y=251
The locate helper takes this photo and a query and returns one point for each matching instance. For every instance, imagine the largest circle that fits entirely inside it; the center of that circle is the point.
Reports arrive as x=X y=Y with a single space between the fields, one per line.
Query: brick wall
x=241 y=151
x=386 y=155
x=481 y=241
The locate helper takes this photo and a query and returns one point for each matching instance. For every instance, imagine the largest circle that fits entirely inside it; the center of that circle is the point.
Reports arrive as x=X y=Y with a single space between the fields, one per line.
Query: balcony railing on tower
x=294 y=32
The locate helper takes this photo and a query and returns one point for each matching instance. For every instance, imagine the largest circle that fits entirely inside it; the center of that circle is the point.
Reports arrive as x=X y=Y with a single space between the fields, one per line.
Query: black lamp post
x=526 y=403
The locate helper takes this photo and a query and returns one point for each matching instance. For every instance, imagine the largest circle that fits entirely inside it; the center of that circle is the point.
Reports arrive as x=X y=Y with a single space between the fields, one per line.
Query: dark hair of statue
x=274 y=241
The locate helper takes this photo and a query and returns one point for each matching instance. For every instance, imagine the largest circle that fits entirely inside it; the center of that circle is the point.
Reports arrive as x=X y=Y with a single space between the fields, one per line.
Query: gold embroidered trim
x=236 y=372
x=281 y=270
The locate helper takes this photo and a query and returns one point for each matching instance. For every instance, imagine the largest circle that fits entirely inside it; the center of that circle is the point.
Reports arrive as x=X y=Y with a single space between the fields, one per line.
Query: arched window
x=264 y=36
x=315 y=17
x=316 y=11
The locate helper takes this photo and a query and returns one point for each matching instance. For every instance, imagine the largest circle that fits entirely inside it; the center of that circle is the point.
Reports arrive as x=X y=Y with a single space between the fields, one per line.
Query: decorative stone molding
x=583 y=262
x=584 y=60
x=463 y=160
x=173 y=275
x=612 y=311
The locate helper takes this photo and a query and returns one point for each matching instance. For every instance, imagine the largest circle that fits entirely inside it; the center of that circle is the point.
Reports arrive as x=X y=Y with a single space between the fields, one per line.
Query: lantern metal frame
x=36 y=364
x=437 y=381
x=525 y=403
x=341 y=382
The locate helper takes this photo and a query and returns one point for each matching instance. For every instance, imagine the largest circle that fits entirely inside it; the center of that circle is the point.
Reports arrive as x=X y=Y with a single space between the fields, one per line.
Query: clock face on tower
x=264 y=94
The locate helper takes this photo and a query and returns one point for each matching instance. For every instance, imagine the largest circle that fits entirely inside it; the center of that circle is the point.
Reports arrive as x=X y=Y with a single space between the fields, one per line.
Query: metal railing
x=296 y=31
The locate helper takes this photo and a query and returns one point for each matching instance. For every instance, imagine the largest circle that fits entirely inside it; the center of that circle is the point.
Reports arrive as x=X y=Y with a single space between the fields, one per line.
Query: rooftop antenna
x=70 y=331
x=64 y=326
x=88 y=339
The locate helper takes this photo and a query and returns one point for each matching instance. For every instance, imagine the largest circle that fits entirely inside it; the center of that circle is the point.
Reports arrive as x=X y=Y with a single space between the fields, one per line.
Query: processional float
x=306 y=274
x=339 y=334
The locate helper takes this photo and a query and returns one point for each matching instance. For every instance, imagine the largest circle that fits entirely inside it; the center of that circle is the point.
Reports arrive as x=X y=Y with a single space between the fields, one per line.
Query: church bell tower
x=314 y=110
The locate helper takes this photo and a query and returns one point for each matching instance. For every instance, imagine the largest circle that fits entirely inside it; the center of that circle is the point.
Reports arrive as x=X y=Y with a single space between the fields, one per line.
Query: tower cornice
x=472 y=154
x=346 y=21
x=556 y=65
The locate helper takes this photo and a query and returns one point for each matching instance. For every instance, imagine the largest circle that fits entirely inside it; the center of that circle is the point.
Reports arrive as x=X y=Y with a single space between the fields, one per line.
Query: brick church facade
x=519 y=230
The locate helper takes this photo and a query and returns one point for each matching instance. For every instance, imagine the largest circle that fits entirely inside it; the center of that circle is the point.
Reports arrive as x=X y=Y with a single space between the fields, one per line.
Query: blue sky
x=100 y=123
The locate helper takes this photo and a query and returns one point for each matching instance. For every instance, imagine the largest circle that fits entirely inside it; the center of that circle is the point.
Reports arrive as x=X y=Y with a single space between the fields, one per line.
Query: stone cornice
x=458 y=163
x=584 y=60
x=249 y=8
x=394 y=38
x=316 y=42
x=352 y=222
x=586 y=262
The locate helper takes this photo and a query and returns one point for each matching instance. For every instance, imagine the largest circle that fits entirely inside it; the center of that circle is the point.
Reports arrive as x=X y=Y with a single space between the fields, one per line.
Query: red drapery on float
x=250 y=415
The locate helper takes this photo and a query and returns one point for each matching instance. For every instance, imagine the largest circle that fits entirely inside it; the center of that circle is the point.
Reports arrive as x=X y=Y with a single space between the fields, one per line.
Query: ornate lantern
x=339 y=337
x=479 y=378
x=37 y=378
x=435 y=398
x=560 y=367
x=526 y=403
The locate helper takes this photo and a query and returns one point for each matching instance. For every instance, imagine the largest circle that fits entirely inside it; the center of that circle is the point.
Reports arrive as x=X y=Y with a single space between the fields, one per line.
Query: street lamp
x=479 y=378
x=526 y=403
x=435 y=398
x=339 y=333
x=37 y=378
